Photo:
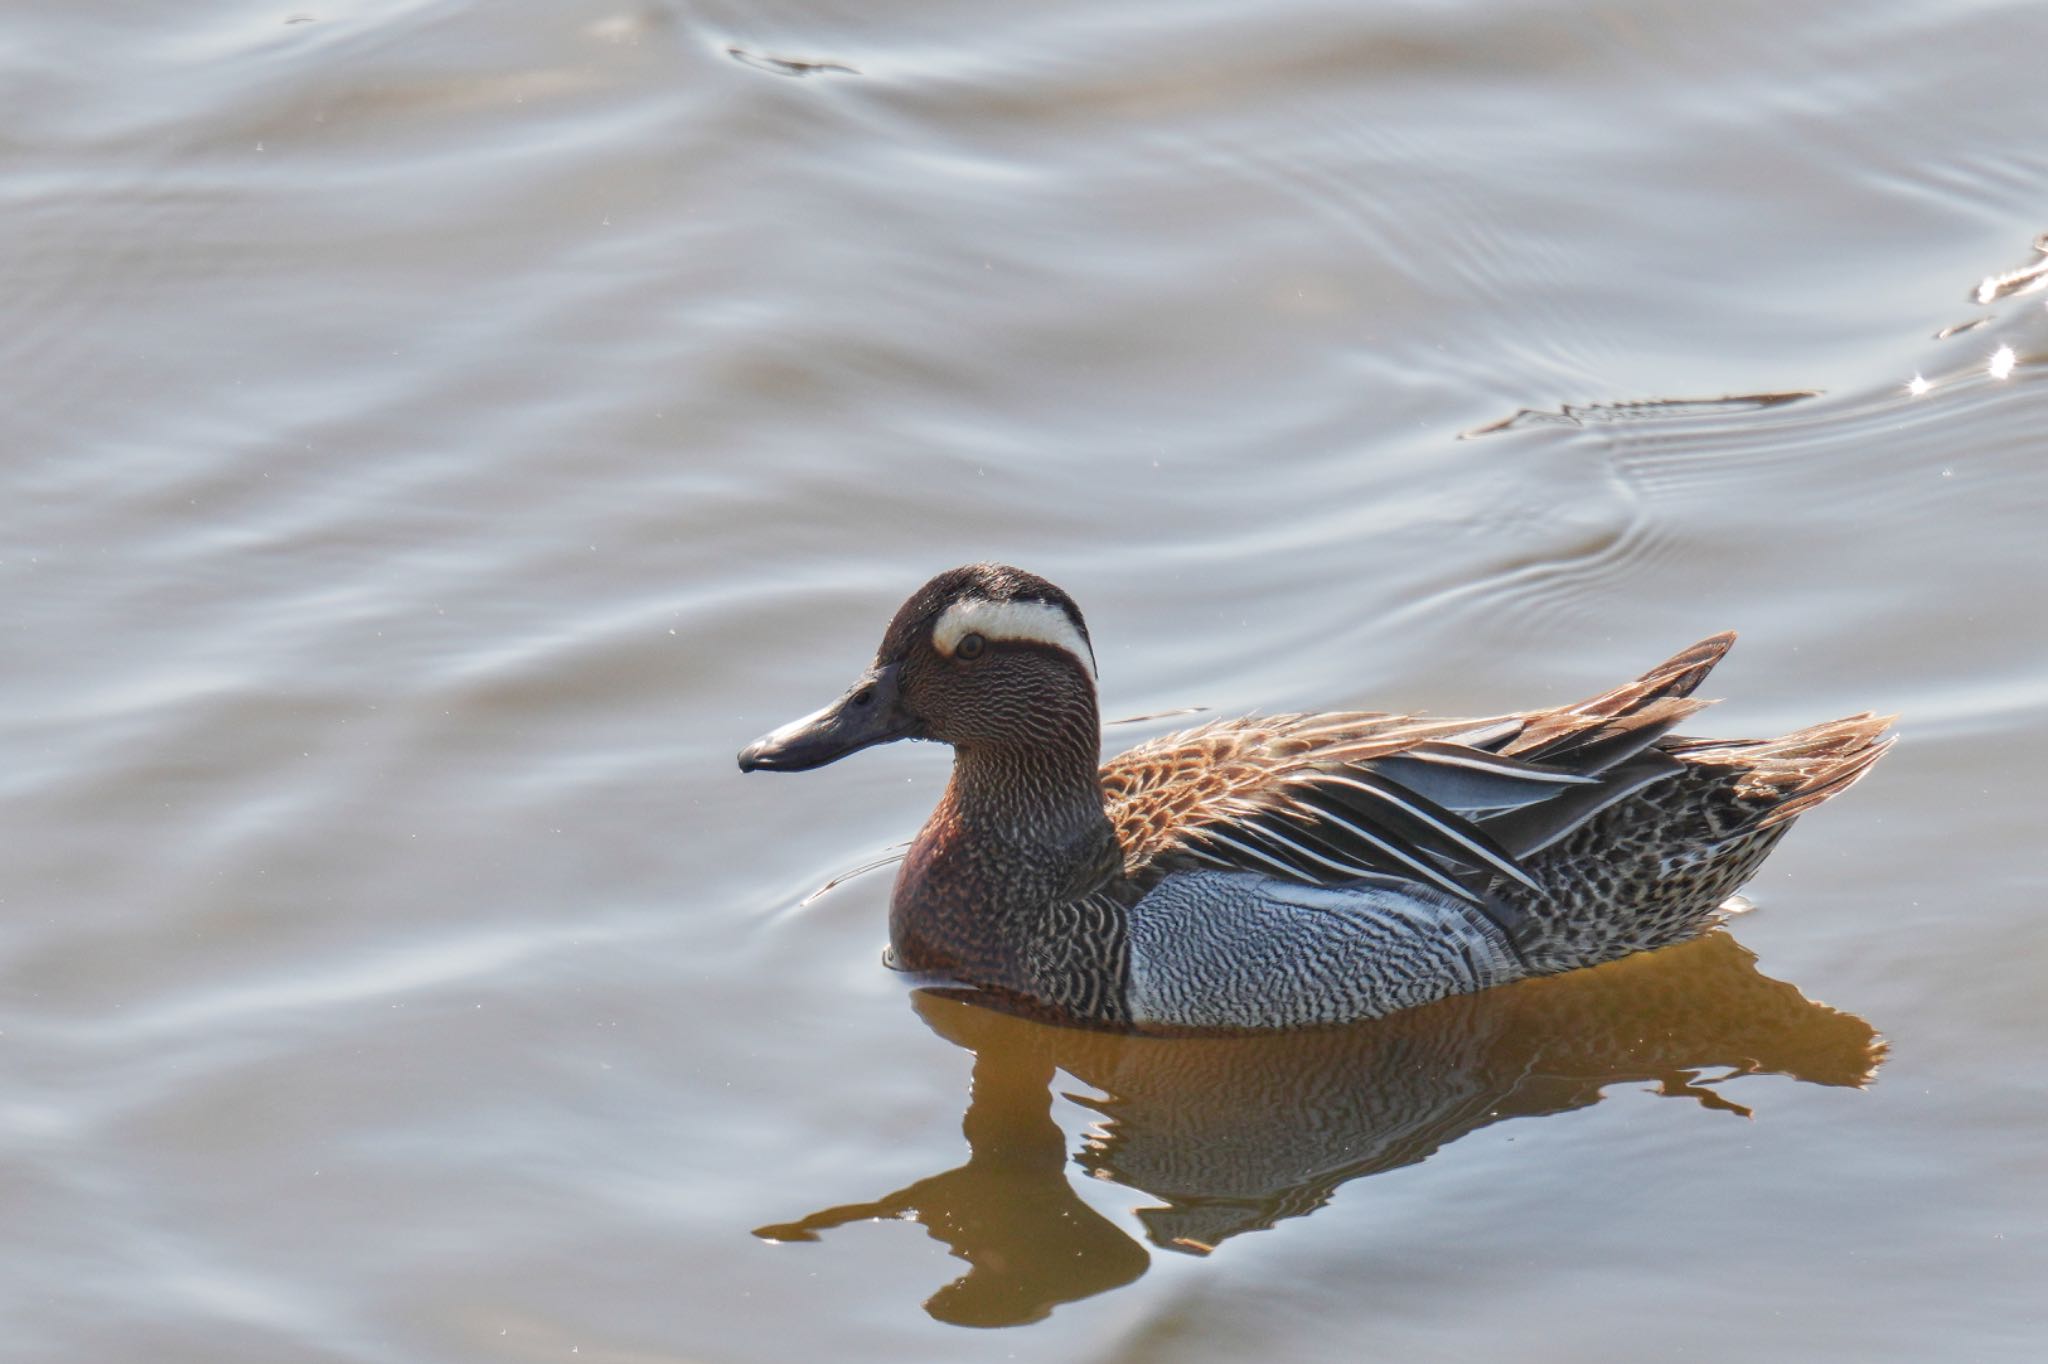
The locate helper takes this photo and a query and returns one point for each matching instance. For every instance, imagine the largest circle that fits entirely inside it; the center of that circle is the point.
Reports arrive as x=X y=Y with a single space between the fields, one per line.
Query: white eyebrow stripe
x=1038 y=622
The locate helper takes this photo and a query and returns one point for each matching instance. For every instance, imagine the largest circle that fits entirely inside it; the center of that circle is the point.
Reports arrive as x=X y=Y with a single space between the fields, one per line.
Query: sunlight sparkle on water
x=2002 y=361
x=1917 y=385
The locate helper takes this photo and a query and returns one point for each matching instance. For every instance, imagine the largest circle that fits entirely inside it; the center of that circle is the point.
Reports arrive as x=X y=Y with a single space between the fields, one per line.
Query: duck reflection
x=1235 y=1134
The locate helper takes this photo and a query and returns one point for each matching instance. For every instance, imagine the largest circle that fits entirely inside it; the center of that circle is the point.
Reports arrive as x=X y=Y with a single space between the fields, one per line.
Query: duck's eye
x=970 y=648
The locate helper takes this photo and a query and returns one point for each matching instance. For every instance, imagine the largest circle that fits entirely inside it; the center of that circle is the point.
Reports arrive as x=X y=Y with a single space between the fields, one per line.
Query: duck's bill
x=867 y=715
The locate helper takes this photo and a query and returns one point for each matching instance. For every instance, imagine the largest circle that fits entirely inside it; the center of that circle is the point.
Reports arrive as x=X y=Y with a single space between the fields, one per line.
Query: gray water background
x=436 y=435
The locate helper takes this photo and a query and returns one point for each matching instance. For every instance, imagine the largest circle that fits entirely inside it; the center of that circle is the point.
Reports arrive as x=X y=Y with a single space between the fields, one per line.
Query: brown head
x=983 y=657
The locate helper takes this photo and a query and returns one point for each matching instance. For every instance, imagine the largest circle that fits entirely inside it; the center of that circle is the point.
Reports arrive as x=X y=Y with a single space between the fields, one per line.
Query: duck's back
x=1309 y=869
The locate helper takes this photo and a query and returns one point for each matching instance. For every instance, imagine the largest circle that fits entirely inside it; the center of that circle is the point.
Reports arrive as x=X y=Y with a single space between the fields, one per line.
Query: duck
x=1291 y=870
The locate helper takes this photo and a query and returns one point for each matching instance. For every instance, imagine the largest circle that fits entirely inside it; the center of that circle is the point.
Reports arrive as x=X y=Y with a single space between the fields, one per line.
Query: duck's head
x=981 y=657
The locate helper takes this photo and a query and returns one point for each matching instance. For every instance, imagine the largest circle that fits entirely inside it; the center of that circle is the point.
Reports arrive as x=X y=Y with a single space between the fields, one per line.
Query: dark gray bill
x=870 y=713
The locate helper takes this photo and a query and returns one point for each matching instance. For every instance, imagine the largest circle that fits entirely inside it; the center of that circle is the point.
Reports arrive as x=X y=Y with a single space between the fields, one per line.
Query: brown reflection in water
x=1234 y=1134
x=1009 y=1211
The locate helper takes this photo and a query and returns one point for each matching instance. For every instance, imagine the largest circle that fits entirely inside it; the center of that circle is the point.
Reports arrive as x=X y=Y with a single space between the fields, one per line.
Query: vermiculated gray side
x=1244 y=950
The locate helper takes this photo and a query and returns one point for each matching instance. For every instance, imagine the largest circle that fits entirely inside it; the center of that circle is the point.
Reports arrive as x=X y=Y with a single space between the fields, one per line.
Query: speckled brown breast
x=962 y=910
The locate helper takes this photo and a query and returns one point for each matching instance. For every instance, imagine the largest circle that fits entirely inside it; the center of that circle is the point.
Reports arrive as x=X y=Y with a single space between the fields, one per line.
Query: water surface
x=437 y=435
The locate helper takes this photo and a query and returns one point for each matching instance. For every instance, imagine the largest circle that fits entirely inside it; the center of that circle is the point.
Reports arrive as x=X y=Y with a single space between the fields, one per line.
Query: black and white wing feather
x=1454 y=804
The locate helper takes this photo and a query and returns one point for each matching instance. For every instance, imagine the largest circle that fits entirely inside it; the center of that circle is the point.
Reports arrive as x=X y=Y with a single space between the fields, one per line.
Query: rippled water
x=437 y=435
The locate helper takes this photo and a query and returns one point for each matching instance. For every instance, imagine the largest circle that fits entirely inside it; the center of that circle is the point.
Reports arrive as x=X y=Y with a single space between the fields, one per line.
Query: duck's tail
x=1655 y=866
x=1781 y=779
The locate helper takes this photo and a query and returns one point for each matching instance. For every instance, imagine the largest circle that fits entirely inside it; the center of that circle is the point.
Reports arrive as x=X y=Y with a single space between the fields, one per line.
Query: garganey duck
x=1288 y=870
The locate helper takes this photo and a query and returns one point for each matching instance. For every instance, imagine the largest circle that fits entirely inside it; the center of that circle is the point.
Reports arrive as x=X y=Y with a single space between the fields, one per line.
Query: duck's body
x=1301 y=869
